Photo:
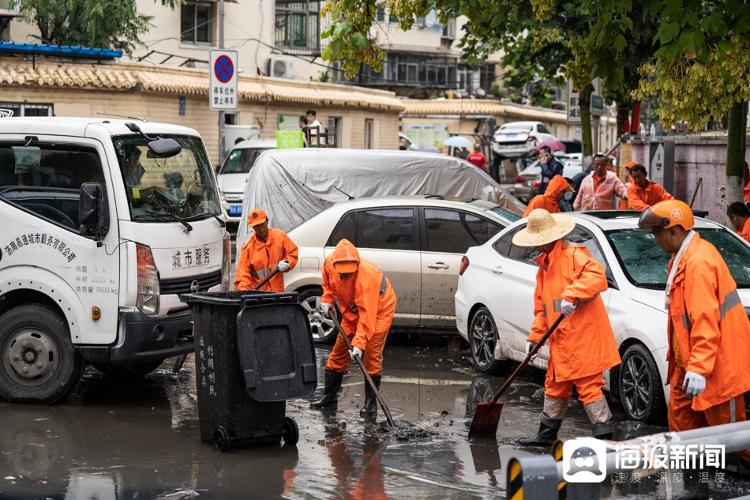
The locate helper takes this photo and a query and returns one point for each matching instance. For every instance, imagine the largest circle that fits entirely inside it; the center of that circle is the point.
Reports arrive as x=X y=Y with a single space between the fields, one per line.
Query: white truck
x=104 y=222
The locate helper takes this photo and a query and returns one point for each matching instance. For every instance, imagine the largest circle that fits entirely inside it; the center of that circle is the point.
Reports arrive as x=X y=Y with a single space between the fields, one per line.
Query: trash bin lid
x=276 y=351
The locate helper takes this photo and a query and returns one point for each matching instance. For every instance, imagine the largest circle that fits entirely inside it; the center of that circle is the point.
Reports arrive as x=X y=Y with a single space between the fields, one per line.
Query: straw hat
x=542 y=228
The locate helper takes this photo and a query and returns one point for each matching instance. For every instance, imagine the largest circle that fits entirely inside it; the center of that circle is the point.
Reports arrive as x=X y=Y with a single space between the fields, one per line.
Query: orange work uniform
x=583 y=346
x=258 y=259
x=549 y=200
x=367 y=304
x=745 y=231
x=640 y=199
x=709 y=334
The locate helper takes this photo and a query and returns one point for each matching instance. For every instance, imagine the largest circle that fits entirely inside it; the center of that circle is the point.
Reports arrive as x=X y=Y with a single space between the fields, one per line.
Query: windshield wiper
x=170 y=216
x=218 y=219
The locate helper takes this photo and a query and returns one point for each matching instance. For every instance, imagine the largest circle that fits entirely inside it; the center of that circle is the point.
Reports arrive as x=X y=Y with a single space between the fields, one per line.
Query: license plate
x=235 y=209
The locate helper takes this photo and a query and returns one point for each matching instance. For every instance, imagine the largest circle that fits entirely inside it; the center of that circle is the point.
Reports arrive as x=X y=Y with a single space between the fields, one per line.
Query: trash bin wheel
x=221 y=439
x=291 y=432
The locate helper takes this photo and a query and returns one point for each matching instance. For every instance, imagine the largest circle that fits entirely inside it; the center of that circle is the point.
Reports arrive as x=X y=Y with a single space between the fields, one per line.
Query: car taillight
x=148 y=280
x=520 y=179
x=464 y=265
x=226 y=263
x=537 y=184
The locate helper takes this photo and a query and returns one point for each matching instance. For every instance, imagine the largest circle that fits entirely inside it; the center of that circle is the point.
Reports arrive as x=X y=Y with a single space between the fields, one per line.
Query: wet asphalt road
x=139 y=439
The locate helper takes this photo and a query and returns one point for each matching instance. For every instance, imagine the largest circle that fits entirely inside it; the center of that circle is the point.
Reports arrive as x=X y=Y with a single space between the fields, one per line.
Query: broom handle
x=369 y=380
x=527 y=360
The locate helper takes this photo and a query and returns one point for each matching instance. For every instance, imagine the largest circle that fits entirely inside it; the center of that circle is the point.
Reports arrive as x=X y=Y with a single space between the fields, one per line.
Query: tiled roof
x=184 y=81
x=479 y=107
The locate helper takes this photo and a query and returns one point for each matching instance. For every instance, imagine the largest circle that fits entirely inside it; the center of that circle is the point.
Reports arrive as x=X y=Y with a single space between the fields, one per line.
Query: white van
x=233 y=175
x=104 y=223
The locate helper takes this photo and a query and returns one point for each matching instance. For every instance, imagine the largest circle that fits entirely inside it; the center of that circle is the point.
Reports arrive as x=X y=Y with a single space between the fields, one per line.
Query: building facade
x=281 y=38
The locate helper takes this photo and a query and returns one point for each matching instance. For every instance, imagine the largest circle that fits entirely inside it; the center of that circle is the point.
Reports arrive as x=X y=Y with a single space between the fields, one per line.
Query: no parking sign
x=222 y=94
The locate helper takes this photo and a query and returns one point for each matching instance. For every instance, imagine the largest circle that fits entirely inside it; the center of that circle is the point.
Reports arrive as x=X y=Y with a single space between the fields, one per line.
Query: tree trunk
x=736 y=146
x=623 y=117
x=584 y=99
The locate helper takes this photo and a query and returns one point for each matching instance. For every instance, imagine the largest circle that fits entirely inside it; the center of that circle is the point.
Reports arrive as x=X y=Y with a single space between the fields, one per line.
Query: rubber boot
x=547 y=434
x=600 y=416
x=330 y=391
x=370 y=408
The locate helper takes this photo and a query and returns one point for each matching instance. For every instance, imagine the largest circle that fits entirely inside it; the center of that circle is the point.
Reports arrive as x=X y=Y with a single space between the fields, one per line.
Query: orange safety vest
x=258 y=259
x=584 y=343
x=640 y=199
x=709 y=332
x=548 y=201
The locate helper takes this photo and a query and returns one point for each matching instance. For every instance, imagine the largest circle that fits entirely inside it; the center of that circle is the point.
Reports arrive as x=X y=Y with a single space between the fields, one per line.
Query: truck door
x=39 y=191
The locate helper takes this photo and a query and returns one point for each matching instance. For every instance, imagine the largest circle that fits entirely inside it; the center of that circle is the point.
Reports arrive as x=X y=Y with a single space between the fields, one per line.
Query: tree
x=90 y=23
x=701 y=71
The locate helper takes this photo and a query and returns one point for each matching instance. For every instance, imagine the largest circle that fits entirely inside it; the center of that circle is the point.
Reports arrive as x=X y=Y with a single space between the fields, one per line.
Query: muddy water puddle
x=140 y=439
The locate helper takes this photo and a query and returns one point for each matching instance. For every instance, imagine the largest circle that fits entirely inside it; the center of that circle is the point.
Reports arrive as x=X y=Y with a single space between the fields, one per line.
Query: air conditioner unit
x=280 y=68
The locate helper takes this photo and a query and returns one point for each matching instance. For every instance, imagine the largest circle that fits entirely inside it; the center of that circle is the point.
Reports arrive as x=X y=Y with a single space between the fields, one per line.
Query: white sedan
x=494 y=301
x=417 y=241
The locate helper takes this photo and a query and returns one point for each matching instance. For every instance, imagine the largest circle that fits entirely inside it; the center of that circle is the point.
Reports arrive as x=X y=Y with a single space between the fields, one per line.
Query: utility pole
x=221 y=113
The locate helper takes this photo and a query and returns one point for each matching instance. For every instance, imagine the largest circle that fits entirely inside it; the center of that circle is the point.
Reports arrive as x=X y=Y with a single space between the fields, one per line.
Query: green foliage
x=90 y=23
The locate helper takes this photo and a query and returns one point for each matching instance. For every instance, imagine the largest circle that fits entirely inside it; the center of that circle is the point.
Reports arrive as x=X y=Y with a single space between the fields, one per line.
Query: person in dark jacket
x=551 y=167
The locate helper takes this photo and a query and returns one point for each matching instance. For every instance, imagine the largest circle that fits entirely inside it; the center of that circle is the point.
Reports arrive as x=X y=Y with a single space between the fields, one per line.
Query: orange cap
x=257 y=216
x=666 y=214
x=630 y=164
x=345 y=257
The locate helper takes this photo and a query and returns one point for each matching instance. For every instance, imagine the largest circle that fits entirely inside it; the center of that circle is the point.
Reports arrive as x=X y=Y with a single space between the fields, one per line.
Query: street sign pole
x=221 y=113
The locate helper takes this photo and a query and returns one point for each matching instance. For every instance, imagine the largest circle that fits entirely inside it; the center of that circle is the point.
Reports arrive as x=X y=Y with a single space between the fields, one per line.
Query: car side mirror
x=164 y=148
x=92 y=215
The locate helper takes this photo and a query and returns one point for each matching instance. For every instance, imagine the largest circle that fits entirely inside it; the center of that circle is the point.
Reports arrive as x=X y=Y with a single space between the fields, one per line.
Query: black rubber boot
x=547 y=434
x=370 y=408
x=330 y=391
x=603 y=431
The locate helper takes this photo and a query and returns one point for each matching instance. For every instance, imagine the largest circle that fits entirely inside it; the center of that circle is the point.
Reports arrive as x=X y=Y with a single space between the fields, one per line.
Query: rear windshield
x=240 y=161
x=504 y=212
x=645 y=264
x=516 y=129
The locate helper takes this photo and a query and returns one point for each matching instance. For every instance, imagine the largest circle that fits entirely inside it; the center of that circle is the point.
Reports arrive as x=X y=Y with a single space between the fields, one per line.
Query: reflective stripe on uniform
x=556 y=305
x=260 y=274
x=383 y=284
x=730 y=300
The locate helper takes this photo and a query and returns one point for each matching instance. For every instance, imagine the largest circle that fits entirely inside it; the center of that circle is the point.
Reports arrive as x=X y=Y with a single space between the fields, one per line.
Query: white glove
x=283 y=266
x=567 y=308
x=529 y=347
x=356 y=352
x=325 y=308
x=694 y=384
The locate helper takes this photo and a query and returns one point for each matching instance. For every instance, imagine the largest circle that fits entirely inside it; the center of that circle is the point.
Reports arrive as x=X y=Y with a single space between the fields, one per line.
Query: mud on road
x=140 y=439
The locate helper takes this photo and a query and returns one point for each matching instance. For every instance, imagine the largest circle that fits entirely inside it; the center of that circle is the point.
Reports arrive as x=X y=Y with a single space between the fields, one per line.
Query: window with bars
x=298 y=26
x=23 y=109
x=196 y=23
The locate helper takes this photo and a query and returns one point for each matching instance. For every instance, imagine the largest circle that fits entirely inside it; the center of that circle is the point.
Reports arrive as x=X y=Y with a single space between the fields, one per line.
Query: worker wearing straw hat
x=568 y=282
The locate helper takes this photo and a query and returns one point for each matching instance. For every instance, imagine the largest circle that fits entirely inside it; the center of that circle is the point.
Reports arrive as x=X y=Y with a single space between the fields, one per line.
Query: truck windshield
x=645 y=264
x=167 y=189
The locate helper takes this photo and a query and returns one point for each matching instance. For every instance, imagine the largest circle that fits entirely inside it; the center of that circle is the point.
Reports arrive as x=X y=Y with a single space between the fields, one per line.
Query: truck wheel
x=323 y=329
x=126 y=371
x=38 y=361
x=291 y=432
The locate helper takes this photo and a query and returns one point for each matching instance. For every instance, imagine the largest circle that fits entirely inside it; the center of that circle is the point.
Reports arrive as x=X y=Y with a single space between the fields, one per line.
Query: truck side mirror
x=91 y=212
x=164 y=148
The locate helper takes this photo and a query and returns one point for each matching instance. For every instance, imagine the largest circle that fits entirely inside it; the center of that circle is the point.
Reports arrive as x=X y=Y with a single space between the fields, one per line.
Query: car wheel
x=640 y=386
x=323 y=329
x=38 y=363
x=482 y=340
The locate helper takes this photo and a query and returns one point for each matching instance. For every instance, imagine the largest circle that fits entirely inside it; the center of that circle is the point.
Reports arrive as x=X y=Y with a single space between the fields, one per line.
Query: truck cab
x=105 y=222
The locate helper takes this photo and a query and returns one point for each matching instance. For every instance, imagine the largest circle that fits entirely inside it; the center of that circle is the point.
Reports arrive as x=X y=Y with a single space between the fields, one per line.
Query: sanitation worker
x=568 y=282
x=739 y=216
x=709 y=332
x=556 y=190
x=367 y=303
x=266 y=250
x=644 y=193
